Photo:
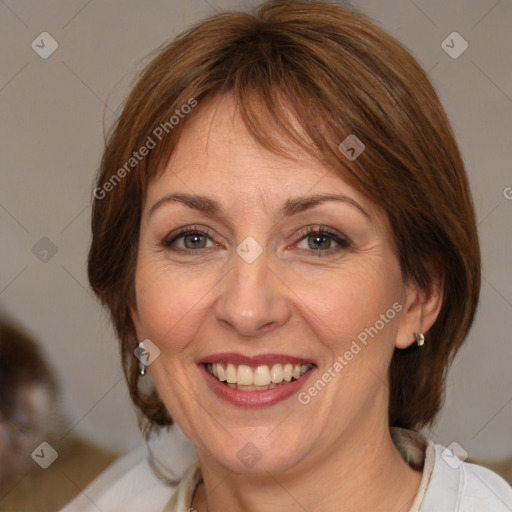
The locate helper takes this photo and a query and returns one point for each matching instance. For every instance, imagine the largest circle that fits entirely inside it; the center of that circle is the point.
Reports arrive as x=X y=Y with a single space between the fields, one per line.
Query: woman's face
x=262 y=269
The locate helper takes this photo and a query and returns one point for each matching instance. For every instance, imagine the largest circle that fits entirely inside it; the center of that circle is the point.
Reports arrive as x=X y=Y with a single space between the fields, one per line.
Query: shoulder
x=457 y=486
x=129 y=484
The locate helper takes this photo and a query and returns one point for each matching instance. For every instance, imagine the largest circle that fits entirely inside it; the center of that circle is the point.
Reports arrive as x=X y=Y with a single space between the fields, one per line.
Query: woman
x=284 y=236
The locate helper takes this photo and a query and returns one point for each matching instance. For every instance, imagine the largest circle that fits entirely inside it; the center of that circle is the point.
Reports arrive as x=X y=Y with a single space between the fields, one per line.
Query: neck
x=361 y=471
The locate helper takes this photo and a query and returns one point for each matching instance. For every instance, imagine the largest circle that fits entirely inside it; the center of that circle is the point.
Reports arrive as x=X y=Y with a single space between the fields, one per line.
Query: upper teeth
x=261 y=375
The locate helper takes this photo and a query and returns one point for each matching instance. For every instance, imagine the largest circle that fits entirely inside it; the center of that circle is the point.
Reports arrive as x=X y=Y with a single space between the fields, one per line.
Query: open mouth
x=257 y=378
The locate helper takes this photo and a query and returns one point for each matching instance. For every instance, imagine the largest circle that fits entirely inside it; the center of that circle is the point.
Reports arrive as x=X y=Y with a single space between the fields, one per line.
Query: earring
x=143 y=369
x=419 y=339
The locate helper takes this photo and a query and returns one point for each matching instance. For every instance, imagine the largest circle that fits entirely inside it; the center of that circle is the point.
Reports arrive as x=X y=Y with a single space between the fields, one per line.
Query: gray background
x=53 y=112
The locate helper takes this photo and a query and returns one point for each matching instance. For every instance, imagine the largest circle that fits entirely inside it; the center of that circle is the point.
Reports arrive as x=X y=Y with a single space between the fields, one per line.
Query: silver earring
x=143 y=369
x=419 y=339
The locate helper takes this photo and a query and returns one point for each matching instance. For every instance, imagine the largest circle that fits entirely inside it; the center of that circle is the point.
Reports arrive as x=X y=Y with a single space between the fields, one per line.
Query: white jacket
x=447 y=485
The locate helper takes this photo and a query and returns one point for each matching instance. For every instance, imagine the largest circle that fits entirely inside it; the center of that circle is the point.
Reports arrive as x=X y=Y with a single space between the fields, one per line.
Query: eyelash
x=341 y=240
x=190 y=230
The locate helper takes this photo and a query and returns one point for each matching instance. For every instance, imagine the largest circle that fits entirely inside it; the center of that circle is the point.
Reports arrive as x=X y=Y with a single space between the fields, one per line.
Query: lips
x=255 y=381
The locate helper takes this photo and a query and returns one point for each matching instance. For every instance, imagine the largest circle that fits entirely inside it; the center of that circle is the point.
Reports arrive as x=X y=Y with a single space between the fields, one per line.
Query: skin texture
x=334 y=453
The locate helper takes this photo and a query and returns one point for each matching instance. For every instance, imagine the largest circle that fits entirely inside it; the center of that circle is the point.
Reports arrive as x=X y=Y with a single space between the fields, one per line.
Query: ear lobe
x=420 y=311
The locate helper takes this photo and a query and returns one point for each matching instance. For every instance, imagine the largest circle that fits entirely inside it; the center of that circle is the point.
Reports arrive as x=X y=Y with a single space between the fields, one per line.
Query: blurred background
x=66 y=67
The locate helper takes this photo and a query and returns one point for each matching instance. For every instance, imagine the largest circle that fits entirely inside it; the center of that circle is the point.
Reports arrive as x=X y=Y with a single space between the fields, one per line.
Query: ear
x=420 y=310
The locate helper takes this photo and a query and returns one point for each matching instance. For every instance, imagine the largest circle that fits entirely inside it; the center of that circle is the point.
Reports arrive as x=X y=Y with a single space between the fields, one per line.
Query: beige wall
x=53 y=111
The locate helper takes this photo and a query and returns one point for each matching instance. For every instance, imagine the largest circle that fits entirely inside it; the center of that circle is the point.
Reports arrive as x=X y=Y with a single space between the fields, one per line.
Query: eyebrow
x=291 y=206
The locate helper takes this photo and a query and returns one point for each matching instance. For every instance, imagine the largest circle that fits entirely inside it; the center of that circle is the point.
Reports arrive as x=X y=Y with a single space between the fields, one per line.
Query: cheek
x=170 y=304
x=357 y=305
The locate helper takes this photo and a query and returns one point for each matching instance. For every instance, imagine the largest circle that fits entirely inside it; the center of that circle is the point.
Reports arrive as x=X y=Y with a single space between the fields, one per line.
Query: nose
x=253 y=300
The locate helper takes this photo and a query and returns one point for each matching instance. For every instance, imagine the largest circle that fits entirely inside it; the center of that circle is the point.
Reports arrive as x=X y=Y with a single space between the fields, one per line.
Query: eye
x=321 y=241
x=189 y=239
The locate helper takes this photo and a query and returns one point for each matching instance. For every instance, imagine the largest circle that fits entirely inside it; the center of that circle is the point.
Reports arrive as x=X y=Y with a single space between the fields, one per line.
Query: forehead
x=216 y=155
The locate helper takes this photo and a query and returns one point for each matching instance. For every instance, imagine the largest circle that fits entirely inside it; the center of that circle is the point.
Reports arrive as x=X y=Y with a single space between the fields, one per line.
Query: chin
x=258 y=455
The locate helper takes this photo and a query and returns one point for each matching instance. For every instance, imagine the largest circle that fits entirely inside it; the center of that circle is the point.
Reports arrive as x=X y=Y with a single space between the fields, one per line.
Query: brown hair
x=313 y=73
